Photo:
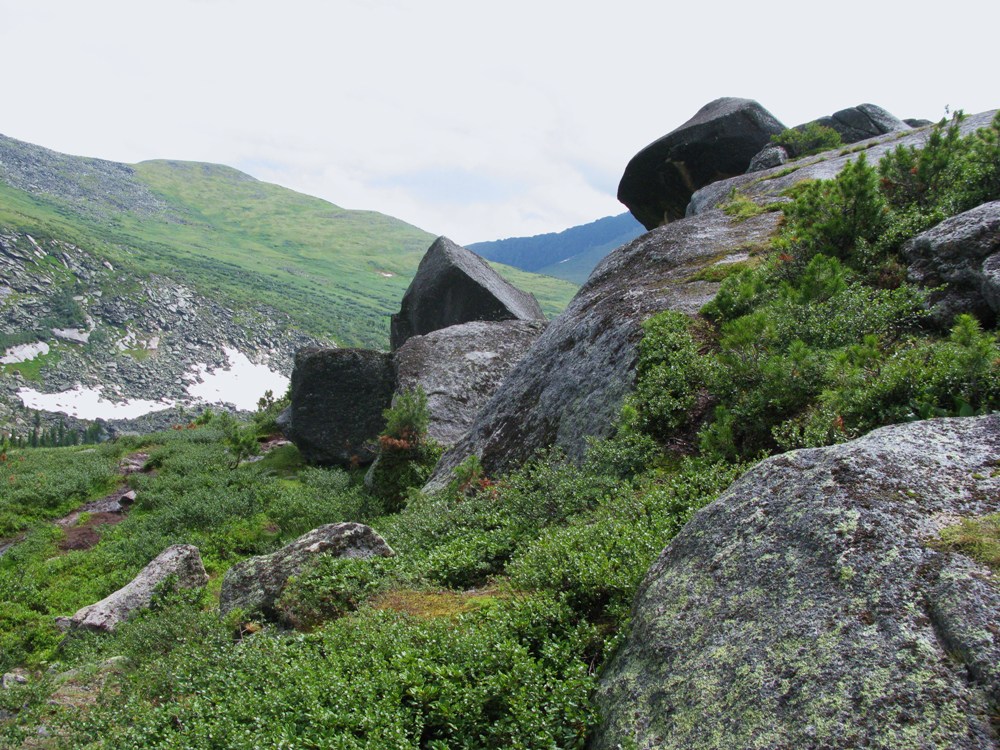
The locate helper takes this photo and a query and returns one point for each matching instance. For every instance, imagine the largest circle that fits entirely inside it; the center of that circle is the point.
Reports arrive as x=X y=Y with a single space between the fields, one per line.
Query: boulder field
x=572 y=382
x=460 y=329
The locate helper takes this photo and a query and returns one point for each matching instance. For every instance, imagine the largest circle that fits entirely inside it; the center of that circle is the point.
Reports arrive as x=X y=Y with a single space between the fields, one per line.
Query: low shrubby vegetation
x=807 y=139
x=549 y=558
x=825 y=340
x=506 y=594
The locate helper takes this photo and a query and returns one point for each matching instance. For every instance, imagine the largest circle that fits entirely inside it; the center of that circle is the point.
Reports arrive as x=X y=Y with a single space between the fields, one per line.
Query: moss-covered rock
x=808 y=607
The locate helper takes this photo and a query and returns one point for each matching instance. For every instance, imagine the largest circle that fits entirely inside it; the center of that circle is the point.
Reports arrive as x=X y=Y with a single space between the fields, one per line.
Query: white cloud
x=472 y=120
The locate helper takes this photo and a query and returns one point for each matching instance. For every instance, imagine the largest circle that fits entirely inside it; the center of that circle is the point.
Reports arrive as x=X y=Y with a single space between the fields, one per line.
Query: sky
x=469 y=119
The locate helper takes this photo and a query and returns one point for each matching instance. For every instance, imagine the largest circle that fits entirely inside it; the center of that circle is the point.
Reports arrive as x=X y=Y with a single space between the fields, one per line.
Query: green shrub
x=408 y=417
x=328 y=588
x=670 y=374
x=239 y=438
x=511 y=675
x=739 y=294
x=406 y=455
x=807 y=139
x=835 y=216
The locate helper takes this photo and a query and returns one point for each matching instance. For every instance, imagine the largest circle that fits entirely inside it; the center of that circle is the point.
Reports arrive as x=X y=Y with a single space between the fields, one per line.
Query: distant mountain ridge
x=571 y=254
x=162 y=266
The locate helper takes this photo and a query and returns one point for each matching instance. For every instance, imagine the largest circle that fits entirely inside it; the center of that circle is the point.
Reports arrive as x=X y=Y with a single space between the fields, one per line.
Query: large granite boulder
x=460 y=367
x=767 y=186
x=453 y=285
x=181 y=561
x=960 y=257
x=255 y=585
x=572 y=382
x=337 y=400
x=718 y=142
x=863 y=121
x=809 y=607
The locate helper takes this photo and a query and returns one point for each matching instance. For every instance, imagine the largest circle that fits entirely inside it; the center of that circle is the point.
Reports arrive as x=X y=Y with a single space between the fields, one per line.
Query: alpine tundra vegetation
x=773 y=541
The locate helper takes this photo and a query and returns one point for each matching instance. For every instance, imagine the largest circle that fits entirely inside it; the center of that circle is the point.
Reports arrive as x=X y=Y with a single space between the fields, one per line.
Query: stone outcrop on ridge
x=809 y=606
x=572 y=382
x=454 y=285
x=767 y=186
x=863 y=121
x=718 y=142
x=459 y=331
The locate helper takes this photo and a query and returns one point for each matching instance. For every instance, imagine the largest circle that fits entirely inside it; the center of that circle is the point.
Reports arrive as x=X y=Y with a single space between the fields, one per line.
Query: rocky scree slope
x=135 y=336
x=808 y=607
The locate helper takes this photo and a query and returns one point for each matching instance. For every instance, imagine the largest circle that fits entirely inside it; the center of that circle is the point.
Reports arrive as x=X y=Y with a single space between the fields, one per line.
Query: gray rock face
x=863 y=121
x=573 y=381
x=453 y=285
x=180 y=560
x=460 y=367
x=337 y=400
x=806 y=607
x=256 y=584
x=768 y=185
x=718 y=142
x=963 y=254
x=768 y=157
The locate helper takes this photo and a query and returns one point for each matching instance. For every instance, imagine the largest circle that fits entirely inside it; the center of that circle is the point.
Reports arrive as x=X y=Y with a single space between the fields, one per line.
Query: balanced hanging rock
x=453 y=285
x=182 y=561
x=811 y=606
x=255 y=585
x=718 y=142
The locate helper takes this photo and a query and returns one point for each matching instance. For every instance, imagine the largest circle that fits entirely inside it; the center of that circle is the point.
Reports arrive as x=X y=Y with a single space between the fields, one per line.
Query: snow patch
x=89 y=403
x=241 y=384
x=24 y=352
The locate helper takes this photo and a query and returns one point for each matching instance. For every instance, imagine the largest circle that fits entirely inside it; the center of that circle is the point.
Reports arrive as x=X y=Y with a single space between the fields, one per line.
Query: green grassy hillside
x=340 y=273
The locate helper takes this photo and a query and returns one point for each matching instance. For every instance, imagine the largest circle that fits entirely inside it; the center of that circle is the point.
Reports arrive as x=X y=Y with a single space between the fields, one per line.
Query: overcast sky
x=470 y=119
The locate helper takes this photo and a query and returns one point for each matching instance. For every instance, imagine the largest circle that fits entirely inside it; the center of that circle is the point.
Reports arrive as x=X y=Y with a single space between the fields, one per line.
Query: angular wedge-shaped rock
x=255 y=585
x=180 y=560
x=718 y=142
x=454 y=285
x=811 y=606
